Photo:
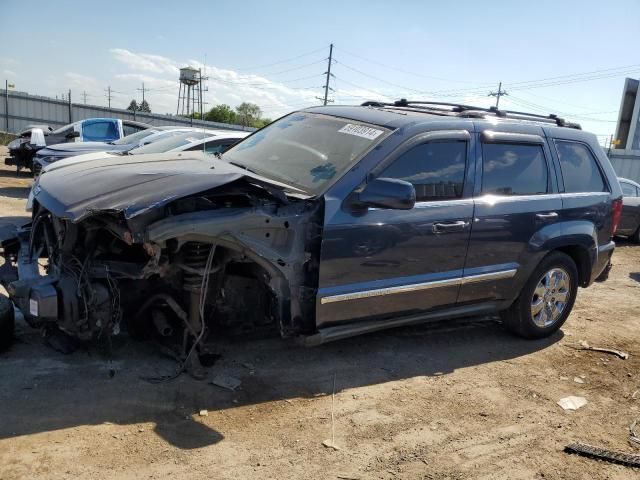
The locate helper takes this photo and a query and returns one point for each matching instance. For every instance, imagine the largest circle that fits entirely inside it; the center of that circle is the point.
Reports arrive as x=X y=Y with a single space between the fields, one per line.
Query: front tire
x=7 y=323
x=546 y=299
x=635 y=238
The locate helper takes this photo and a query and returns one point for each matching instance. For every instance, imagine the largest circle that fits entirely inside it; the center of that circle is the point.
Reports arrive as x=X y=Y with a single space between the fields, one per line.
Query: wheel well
x=580 y=256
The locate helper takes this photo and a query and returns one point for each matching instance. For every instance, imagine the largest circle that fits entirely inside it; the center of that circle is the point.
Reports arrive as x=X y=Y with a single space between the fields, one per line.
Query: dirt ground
x=452 y=401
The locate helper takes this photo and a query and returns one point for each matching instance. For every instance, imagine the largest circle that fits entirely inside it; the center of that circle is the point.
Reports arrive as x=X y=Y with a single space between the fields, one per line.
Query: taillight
x=616 y=207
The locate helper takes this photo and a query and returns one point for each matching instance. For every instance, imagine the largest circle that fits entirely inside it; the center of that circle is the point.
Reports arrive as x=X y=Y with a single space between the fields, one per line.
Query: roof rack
x=462 y=110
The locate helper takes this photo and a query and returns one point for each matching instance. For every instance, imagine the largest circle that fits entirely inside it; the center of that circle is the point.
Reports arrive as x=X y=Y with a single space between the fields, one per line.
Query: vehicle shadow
x=44 y=391
x=15 y=192
x=635 y=276
x=13 y=174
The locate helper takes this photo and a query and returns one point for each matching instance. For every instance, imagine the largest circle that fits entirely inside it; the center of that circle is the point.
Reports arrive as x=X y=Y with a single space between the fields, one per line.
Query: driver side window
x=435 y=169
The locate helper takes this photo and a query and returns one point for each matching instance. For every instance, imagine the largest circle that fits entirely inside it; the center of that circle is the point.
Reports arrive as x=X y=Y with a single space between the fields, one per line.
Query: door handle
x=547 y=216
x=450 y=227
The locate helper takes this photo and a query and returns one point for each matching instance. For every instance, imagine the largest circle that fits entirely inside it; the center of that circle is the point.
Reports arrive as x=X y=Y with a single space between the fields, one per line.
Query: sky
x=566 y=57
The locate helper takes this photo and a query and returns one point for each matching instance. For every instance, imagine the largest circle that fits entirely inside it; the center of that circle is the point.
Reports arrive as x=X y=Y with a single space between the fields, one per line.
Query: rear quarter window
x=580 y=170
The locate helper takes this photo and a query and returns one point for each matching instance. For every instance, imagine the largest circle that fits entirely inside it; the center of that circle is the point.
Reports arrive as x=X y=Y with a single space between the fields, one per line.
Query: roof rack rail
x=469 y=110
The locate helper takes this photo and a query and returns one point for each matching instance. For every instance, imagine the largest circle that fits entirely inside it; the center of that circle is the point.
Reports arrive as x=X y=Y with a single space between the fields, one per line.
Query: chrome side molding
x=414 y=287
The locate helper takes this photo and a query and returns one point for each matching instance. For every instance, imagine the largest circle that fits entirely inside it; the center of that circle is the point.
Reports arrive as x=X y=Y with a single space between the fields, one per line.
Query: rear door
x=515 y=199
x=585 y=192
x=381 y=262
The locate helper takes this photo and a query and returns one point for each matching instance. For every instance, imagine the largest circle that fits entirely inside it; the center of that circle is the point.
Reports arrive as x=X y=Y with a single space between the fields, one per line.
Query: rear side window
x=580 y=170
x=628 y=190
x=510 y=169
x=129 y=129
x=435 y=169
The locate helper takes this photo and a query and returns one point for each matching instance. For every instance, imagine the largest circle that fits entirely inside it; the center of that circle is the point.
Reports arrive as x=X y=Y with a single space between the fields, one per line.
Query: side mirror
x=388 y=193
x=74 y=134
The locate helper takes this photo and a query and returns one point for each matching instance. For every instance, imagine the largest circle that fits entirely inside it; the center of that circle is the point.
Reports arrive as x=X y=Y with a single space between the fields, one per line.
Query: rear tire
x=546 y=299
x=7 y=323
x=635 y=238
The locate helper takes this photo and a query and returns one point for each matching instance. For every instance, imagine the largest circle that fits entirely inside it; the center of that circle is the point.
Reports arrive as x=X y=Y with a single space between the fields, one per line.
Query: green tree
x=144 y=107
x=133 y=106
x=221 y=113
x=248 y=113
x=261 y=122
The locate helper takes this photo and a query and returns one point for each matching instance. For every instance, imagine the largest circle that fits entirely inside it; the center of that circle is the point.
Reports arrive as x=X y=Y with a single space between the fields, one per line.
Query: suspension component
x=195 y=260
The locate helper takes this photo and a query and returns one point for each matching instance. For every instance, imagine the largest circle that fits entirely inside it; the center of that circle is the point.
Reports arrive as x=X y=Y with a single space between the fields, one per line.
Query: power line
x=282 y=61
x=542 y=108
x=250 y=77
x=401 y=70
x=267 y=83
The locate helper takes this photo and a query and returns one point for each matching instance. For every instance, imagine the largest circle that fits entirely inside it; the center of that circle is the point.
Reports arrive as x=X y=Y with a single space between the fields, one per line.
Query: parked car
x=207 y=141
x=491 y=212
x=55 y=153
x=23 y=148
x=630 y=219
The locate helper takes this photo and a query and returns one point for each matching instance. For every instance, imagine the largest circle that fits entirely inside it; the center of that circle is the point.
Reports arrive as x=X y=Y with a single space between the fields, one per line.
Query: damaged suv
x=330 y=222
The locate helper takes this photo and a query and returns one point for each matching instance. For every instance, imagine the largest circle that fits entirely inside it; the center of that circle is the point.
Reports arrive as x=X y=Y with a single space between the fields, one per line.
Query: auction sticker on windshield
x=361 y=131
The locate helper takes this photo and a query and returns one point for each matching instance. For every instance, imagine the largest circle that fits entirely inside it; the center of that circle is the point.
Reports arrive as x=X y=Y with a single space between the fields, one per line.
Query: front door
x=382 y=262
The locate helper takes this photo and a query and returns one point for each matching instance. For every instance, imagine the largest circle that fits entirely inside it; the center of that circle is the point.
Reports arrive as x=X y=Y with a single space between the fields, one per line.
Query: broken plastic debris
x=226 y=381
x=578 y=380
x=572 y=403
x=329 y=444
x=203 y=413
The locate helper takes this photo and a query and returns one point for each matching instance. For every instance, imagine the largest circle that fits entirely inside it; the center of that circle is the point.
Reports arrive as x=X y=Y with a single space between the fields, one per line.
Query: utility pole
x=498 y=94
x=69 y=101
x=200 y=90
x=108 y=90
x=6 y=103
x=84 y=94
x=328 y=72
x=142 y=90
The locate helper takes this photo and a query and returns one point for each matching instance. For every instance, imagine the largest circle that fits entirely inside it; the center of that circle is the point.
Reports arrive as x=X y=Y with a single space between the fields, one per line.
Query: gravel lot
x=452 y=401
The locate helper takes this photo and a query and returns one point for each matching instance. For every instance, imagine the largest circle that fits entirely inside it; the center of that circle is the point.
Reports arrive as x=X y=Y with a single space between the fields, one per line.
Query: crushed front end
x=237 y=259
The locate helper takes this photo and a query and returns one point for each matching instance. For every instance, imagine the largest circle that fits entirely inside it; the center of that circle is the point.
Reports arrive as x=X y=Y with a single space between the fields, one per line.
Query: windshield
x=134 y=137
x=306 y=150
x=168 y=144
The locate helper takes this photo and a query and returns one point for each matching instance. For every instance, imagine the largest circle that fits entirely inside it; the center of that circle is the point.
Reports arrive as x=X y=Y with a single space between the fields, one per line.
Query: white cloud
x=160 y=75
x=8 y=61
x=144 y=61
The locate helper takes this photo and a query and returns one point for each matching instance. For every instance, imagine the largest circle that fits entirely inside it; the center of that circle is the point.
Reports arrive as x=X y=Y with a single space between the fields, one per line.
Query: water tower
x=190 y=92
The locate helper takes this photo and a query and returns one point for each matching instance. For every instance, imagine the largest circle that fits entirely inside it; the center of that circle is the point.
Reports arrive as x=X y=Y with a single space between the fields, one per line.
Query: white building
x=626 y=157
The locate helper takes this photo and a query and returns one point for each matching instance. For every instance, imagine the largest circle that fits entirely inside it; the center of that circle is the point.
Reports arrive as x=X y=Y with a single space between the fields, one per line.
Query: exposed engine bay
x=239 y=259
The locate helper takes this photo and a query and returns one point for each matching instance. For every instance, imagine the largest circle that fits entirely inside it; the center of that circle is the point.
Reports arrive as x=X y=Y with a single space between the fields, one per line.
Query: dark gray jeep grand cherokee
x=330 y=222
